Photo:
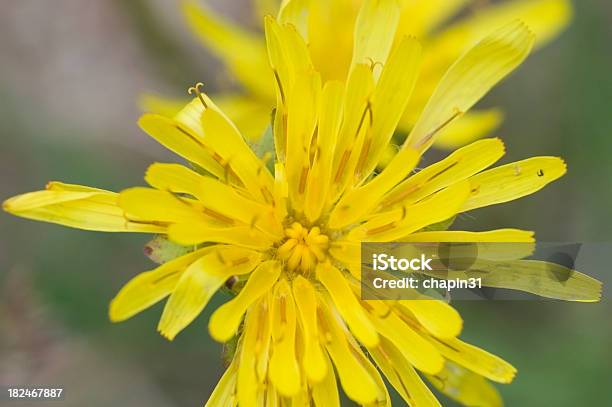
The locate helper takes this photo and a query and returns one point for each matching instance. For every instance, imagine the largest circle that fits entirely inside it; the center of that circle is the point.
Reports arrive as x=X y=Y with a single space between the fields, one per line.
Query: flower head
x=335 y=32
x=290 y=236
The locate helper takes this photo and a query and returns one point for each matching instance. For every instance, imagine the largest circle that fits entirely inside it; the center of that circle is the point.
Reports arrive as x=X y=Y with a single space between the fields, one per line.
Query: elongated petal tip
x=6 y=206
x=114 y=314
x=169 y=335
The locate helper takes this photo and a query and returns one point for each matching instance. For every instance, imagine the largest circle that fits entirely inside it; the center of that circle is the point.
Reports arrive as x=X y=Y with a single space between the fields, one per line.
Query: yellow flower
x=330 y=32
x=290 y=238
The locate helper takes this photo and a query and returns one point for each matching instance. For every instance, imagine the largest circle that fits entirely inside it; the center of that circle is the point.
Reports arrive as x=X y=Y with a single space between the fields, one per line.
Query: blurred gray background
x=71 y=73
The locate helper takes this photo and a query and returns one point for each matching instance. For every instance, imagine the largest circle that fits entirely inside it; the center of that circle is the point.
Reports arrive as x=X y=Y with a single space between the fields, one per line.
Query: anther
x=196 y=89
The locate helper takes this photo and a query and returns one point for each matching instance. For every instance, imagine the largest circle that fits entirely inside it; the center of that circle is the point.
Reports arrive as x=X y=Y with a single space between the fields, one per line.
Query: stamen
x=191 y=136
x=283 y=309
x=437 y=174
x=221 y=259
x=430 y=135
x=240 y=261
x=343 y=162
x=165 y=276
x=400 y=196
x=145 y=222
x=366 y=147
x=313 y=149
x=269 y=198
x=280 y=86
x=218 y=216
x=303 y=178
x=364 y=155
x=380 y=229
x=254 y=221
x=179 y=198
x=323 y=328
x=196 y=89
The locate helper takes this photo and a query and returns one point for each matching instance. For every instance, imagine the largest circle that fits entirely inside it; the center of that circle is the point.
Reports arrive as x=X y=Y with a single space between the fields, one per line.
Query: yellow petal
x=346 y=302
x=499 y=235
x=513 y=181
x=358 y=202
x=349 y=254
x=420 y=17
x=182 y=140
x=416 y=349
x=289 y=59
x=161 y=105
x=466 y=387
x=250 y=115
x=319 y=177
x=175 y=178
x=314 y=362
x=402 y=375
x=395 y=224
x=78 y=207
x=436 y=316
x=158 y=206
x=214 y=195
x=475 y=359
x=302 y=111
x=332 y=19
x=469 y=127
x=295 y=12
x=284 y=368
x=223 y=137
x=375 y=32
x=356 y=121
x=356 y=380
x=194 y=233
x=281 y=190
x=198 y=284
x=469 y=79
x=325 y=393
x=224 y=393
x=272 y=398
x=382 y=398
x=225 y=320
x=389 y=100
x=244 y=53
x=150 y=287
x=542 y=278
x=249 y=382
x=546 y=18
x=458 y=166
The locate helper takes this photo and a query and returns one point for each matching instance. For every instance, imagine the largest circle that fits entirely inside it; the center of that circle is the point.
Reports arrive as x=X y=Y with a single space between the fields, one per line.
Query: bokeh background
x=71 y=73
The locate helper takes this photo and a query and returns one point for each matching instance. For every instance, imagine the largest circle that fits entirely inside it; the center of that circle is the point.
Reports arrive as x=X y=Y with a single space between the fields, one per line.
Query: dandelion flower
x=288 y=238
x=331 y=29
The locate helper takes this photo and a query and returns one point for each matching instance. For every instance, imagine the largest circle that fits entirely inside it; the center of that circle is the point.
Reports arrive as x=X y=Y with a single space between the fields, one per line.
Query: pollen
x=303 y=248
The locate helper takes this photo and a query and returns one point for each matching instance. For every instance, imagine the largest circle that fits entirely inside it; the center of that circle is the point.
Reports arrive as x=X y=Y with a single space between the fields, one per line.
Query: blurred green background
x=70 y=76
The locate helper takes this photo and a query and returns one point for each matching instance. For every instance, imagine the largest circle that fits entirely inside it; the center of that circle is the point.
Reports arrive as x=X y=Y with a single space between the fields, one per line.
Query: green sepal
x=440 y=226
x=160 y=249
x=264 y=146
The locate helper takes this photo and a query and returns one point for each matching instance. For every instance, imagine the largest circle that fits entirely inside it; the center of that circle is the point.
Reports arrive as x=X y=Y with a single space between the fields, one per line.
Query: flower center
x=303 y=248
